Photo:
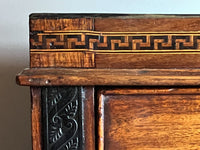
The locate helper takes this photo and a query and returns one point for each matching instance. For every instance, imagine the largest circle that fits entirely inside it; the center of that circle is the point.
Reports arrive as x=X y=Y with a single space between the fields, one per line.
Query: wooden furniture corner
x=114 y=81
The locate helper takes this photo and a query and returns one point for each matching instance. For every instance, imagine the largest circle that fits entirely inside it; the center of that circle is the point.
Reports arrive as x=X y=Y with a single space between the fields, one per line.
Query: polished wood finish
x=139 y=78
x=149 y=118
x=89 y=118
x=38 y=23
x=118 y=60
x=36 y=118
x=62 y=59
x=148 y=60
x=114 y=41
x=123 y=77
x=151 y=23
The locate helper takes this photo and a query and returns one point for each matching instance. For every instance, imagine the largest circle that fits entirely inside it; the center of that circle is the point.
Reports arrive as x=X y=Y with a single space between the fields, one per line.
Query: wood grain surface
x=114 y=41
x=150 y=120
x=123 y=77
x=36 y=118
x=62 y=59
x=147 y=24
x=147 y=60
x=89 y=117
x=57 y=24
x=105 y=50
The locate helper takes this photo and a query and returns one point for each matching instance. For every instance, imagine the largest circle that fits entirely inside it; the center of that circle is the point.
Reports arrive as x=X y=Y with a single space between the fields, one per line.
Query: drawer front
x=149 y=118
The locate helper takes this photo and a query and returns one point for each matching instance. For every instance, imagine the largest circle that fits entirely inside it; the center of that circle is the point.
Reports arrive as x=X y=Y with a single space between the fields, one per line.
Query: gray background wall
x=15 y=126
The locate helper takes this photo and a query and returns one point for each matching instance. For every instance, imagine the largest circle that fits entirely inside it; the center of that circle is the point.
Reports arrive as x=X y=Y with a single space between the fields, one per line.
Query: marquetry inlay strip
x=127 y=41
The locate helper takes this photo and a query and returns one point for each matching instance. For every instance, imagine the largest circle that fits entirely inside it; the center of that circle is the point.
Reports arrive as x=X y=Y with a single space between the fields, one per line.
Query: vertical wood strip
x=101 y=122
x=89 y=117
x=36 y=118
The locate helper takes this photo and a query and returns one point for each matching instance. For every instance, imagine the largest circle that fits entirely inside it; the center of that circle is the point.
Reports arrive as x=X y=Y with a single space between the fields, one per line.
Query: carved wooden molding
x=62 y=124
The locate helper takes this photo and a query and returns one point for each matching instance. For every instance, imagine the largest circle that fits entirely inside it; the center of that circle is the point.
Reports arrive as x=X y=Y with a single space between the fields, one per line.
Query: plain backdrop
x=15 y=123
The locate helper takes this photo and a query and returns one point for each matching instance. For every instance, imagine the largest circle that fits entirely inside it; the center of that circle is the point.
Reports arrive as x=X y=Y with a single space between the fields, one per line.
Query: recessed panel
x=155 y=120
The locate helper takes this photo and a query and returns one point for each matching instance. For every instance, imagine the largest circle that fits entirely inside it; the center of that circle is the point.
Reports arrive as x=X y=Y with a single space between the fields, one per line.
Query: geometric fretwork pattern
x=115 y=40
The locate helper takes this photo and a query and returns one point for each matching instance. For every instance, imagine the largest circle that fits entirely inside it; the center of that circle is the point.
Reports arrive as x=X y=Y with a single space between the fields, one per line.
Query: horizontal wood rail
x=114 y=77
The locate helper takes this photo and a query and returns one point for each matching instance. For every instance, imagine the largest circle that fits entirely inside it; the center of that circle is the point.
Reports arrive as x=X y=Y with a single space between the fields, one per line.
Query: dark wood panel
x=168 y=77
x=62 y=59
x=149 y=121
x=68 y=118
x=36 y=118
x=147 y=60
x=62 y=118
x=148 y=24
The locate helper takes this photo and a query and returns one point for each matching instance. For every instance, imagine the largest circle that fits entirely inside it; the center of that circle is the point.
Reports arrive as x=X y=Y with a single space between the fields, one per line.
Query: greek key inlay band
x=115 y=41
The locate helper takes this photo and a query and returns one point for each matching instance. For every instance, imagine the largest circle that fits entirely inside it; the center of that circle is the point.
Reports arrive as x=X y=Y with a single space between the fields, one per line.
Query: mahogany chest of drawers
x=114 y=82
